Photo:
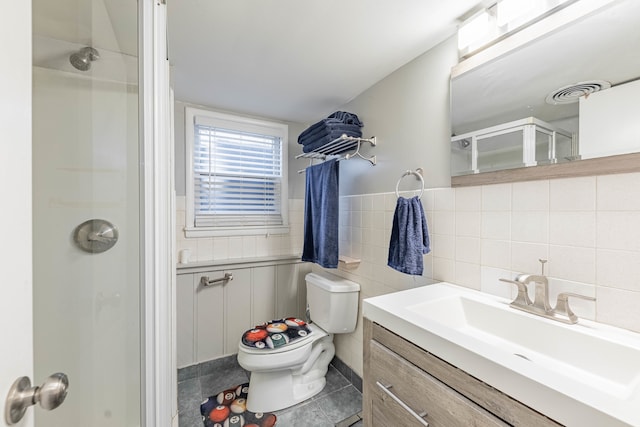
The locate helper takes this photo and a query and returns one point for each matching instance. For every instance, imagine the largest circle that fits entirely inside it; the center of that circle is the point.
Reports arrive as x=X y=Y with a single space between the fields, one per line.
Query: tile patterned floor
x=337 y=401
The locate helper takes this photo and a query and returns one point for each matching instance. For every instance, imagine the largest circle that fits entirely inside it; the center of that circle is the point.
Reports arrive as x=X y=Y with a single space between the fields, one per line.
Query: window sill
x=193 y=232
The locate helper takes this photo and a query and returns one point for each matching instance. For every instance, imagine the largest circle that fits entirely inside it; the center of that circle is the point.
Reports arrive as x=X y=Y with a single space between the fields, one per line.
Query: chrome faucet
x=540 y=305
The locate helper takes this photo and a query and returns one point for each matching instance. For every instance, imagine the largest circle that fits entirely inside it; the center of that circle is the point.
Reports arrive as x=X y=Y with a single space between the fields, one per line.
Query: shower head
x=83 y=58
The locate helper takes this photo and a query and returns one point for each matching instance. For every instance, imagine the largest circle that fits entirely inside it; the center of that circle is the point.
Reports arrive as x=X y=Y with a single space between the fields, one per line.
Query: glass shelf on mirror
x=516 y=144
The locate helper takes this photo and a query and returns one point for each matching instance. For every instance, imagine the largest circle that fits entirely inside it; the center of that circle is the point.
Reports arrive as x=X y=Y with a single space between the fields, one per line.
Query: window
x=236 y=175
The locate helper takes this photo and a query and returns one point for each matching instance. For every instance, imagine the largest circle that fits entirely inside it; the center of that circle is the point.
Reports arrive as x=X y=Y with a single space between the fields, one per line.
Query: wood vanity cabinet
x=405 y=385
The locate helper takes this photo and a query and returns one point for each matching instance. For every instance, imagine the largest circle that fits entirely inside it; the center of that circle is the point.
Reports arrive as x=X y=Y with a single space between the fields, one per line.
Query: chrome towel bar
x=337 y=147
x=204 y=280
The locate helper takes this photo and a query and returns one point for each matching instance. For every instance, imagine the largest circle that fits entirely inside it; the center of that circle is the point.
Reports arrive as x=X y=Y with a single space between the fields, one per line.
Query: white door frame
x=160 y=399
x=16 y=277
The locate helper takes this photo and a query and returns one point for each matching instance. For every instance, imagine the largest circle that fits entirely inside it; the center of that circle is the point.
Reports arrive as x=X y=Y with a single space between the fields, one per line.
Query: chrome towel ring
x=417 y=173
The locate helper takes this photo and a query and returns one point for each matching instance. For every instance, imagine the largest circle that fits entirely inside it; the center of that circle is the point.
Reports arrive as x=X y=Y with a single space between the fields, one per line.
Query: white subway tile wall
x=222 y=248
x=587 y=228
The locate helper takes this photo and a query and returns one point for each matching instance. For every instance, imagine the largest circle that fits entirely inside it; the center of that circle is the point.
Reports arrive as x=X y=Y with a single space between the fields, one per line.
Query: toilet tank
x=333 y=302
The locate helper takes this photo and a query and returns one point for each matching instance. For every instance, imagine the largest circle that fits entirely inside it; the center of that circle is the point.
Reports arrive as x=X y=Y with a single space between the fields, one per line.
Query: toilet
x=283 y=374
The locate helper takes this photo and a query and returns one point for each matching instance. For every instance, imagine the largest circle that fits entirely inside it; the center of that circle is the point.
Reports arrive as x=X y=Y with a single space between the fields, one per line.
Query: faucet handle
x=522 y=299
x=562 y=305
x=543 y=262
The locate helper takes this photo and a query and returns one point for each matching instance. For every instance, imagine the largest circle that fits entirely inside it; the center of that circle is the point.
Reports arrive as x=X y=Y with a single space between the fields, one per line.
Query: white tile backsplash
x=491 y=284
x=444 y=199
x=443 y=246
x=588 y=228
x=468 y=249
x=619 y=192
x=530 y=226
x=618 y=230
x=468 y=223
x=573 y=194
x=618 y=307
x=495 y=253
x=468 y=199
x=530 y=196
x=444 y=269
x=444 y=222
x=572 y=263
x=573 y=229
x=204 y=249
x=467 y=274
x=496 y=197
x=496 y=225
x=235 y=247
x=525 y=256
x=618 y=269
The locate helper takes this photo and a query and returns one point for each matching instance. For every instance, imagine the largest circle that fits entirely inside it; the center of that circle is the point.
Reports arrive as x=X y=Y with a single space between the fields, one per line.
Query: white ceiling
x=297 y=60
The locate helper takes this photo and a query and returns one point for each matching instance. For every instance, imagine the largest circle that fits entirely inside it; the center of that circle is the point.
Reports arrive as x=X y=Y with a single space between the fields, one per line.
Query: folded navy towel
x=319 y=142
x=322 y=124
x=335 y=119
x=321 y=214
x=323 y=131
x=345 y=117
x=409 y=237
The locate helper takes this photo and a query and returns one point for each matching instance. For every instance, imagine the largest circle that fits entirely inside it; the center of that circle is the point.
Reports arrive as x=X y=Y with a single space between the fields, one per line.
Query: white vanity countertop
x=571 y=395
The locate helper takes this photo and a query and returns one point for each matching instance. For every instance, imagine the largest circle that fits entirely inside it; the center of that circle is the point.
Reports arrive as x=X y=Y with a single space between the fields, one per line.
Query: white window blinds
x=237 y=173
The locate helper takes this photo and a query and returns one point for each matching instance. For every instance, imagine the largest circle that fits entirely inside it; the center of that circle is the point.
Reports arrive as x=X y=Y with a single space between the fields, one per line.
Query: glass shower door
x=87 y=281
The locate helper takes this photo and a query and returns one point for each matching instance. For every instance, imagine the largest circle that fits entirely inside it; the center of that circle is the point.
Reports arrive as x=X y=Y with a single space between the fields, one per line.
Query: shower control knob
x=95 y=235
x=21 y=395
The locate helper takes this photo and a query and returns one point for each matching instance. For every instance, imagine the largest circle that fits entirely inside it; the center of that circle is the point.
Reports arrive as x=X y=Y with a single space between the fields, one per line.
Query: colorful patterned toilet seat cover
x=275 y=334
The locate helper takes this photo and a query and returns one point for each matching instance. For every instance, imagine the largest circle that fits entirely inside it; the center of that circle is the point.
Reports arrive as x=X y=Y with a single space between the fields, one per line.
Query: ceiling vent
x=572 y=93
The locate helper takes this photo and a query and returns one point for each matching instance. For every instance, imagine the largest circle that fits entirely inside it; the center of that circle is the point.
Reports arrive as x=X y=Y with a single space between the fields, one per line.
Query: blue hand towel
x=321 y=214
x=409 y=237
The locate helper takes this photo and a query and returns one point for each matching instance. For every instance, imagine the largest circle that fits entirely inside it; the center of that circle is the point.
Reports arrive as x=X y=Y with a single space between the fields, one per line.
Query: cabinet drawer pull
x=417 y=416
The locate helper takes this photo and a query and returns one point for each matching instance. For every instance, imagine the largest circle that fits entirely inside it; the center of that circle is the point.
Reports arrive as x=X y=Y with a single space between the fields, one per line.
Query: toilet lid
x=276 y=333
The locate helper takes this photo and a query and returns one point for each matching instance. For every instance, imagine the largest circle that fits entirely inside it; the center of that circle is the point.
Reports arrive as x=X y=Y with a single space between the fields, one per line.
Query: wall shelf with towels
x=338 y=147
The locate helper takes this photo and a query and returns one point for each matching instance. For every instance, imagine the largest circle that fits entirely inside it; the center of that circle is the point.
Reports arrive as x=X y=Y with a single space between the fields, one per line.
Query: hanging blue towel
x=321 y=214
x=409 y=237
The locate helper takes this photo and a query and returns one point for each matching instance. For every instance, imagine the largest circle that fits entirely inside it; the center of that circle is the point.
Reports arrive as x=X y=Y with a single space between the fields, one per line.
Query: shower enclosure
x=101 y=263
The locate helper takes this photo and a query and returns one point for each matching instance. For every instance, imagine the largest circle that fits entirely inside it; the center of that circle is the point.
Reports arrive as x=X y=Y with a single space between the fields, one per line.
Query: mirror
x=602 y=46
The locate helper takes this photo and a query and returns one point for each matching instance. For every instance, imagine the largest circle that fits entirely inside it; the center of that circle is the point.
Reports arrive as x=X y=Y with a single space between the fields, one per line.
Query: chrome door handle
x=21 y=395
x=414 y=414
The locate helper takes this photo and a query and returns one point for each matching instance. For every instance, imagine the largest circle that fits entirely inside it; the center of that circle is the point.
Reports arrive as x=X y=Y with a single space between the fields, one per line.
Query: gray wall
x=296 y=181
x=408 y=112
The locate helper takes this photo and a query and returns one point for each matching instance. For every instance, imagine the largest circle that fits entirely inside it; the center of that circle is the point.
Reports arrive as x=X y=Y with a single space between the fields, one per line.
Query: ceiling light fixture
x=501 y=20
x=476 y=30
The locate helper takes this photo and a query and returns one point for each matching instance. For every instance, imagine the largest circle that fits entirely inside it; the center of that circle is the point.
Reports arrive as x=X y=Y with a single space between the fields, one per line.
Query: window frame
x=241 y=123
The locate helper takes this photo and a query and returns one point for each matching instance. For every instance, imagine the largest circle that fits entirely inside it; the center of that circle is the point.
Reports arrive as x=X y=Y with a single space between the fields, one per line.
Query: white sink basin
x=570 y=350
x=587 y=373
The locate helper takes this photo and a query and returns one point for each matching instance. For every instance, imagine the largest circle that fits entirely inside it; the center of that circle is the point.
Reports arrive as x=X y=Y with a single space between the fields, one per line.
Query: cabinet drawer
x=398 y=387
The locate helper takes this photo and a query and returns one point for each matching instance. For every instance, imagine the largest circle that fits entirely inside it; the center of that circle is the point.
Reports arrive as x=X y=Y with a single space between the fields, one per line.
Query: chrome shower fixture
x=83 y=58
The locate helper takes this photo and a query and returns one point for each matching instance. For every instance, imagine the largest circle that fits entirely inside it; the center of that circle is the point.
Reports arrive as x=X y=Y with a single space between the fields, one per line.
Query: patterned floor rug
x=229 y=409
